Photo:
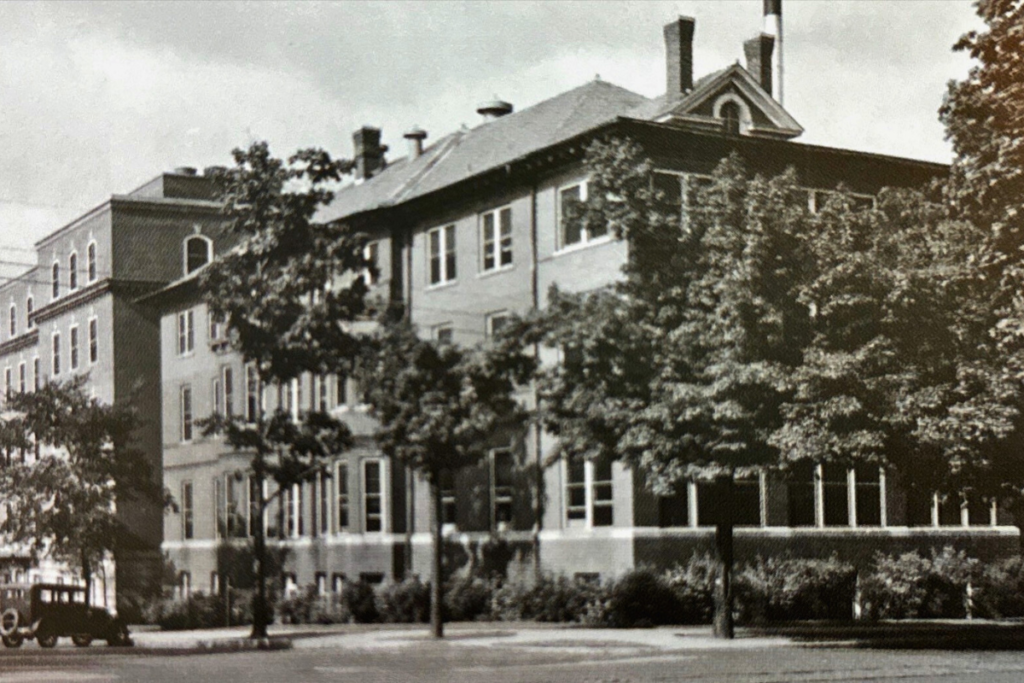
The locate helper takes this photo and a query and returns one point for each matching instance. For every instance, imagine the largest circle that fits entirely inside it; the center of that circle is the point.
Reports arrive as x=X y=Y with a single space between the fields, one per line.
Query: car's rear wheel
x=8 y=622
x=119 y=635
x=81 y=639
x=46 y=640
x=13 y=640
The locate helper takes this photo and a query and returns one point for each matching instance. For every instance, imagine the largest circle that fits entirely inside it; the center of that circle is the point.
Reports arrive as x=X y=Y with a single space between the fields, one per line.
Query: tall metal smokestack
x=773 y=27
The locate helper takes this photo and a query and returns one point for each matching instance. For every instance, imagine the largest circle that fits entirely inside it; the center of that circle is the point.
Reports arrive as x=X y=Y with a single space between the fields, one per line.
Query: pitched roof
x=466 y=153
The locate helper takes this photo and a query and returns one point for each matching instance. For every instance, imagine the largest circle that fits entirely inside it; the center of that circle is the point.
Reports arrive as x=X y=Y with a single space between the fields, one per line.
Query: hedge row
x=946 y=584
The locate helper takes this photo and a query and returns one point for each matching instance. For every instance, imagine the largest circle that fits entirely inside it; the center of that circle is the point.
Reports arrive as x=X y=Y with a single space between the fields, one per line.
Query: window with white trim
x=8 y=384
x=571 y=230
x=29 y=322
x=502 y=488
x=730 y=115
x=186 y=332
x=495 y=321
x=73 y=342
x=55 y=280
x=73 y=272
x=252 y=394
x=186 y=412
x=443 y=334
x=22 y=379
x=441 y=254
x=236 y=489
x=94 y=340
x=37 y=379
x=14 y=321
x=228 y=408
x=449 y=507
x=217 y=330
x=187 y=511
x=217 y=395
x=373 y=496
x=254 y=505
x=90 y=258
x=55 y=365
x=496 y=239
x=588 y=496
x=220 y=524
x=372 y=255
x=324 y=503
x=341 y=488
x=198 y=252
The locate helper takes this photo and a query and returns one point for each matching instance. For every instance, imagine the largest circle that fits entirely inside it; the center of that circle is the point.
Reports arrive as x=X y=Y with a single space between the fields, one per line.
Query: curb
x=243 y=644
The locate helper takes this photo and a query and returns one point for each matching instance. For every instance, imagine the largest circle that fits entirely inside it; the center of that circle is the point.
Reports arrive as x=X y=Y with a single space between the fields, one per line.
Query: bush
x=360 y=599
x=641 y=598
x=467 y=599
x=407 y=602
x=196 y=611
x=551 y=599
x=909 y=586
x=694 y=587
x=795 y=589
x=1000 y=589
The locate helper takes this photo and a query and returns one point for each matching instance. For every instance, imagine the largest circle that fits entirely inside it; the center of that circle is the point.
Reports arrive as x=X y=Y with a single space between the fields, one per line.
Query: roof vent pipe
x=494 y=109
x=416 y=136
x=185 y=170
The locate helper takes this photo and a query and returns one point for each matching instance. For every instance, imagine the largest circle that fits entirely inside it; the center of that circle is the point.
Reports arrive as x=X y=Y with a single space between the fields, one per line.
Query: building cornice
x=130 y=288
x=22 y=341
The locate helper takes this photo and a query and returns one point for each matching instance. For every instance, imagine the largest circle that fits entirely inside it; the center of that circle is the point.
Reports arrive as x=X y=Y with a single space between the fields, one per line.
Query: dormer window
x=730 y=113
x=198 y=252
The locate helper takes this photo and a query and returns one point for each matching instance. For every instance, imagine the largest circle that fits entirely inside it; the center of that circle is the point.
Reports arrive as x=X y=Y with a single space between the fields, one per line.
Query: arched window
x=14 y=321
x=90 y=258
x=29 y=322
x=197 y=253
x=730 y=113
x=55 y=279
x=73 y=271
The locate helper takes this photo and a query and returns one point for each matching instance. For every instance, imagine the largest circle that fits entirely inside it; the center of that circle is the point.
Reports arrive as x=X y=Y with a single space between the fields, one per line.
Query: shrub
x=1000 y=589
x=404 y=603
x=468 y=599
x=794 y=589
x=551 y=599
x=196 y=611
x=909 y=586
x=641 y=598
x=694 y=587
x=360 y=600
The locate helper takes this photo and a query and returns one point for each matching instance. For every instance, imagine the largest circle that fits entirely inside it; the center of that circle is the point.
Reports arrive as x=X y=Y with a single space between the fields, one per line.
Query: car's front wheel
x=119 y=635
x=81 y=639
x=13 y=640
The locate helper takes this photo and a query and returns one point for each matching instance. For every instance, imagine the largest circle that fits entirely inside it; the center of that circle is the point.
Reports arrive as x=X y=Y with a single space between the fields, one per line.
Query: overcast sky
x=96 y=98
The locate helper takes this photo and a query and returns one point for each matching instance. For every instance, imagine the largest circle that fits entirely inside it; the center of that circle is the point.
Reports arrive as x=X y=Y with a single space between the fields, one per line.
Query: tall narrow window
x=94 y=335
x=868 y=493
x=373 y=496
x=669 y=189
x=22 y=379
x=570 y=217
x=186 y=413
x=601 y=487
x=576 y=490
x=441 y=252
x=56 y=353
x=8 y=384
x=730 y=113
x=186 y=333
x=449 y=508
x=252 y=394
x=254 y=506
x=217 y=328
x=300 y=509
x=236 y=489
x=373 y=263
x=197 y=253
x=14 y=321
x=220 y=526
x=29 y=322
x=217 y=395
x=90 y=257
x=325 y=504
x=323 y=393
x=341 y=397
x=496 y=239
x=341 y=486
x=73 y=272
x=37 y=380
x=502 y=488
x=801 y=494
x=229 y=383
x=55 y=279
x=288 y=503
x=73 y=337
x=836 y=494
x=187 y=511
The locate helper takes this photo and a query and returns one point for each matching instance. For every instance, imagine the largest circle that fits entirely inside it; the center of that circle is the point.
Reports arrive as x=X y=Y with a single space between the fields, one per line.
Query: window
x=228 y=408
x=73 y=337
x=868 y=485
x=293 y=511
x=90 y=258
x=323 y=393
x=337 y=583
x=73 y=272
x=441 y=253
x=745 y=506
x=14 y=321
x=801 y=494
x=730 y=113
x=185 y=585
x=36 y=379
x=341 y=484
x=494 y=322
x=669 y=189
x=236 y=488
x=449 y=508
x=22 y=380
x=341 y=390
x=572 y=231
x=56 y=353
x=589 y=492
x=217 y=395
x=29 y=322
x=443 y=334
x=372 y=254
x=197 y=253
x=186 y=413
x=217 y=328
x=187 y=511
x=252 y=394
x=186 y=333
x=220 y=528
x=835 y=494
x=373 y=496
x=214 y=583
x=94 y=353
x=8 y=384
x=496 y=239
x=324 y=486
x=55 y=280
x=502 y=488
x=674 y=509
x=254 y=506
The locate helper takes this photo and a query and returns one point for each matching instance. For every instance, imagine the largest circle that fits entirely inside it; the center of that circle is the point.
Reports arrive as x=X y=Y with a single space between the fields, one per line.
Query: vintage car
x=48 y=611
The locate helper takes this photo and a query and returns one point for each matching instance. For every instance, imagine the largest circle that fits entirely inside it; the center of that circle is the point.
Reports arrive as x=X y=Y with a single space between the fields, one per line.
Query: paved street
x=514 y=655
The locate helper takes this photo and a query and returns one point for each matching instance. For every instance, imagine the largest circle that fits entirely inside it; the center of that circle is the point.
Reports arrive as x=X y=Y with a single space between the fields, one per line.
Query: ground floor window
x=588 y=492
x=502 y=487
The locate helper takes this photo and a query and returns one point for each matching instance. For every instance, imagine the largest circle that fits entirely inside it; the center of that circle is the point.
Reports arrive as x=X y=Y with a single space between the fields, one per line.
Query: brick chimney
x=679 y=56
x=759 y=59
x=368 y=152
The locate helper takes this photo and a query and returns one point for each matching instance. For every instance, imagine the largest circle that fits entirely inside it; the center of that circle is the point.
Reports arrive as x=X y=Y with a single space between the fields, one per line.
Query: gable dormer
x=735 y=100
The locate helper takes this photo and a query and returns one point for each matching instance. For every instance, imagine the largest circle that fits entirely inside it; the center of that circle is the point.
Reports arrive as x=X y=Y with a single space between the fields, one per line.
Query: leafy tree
x=69 y=462
x=288 y=290
x=441 y=408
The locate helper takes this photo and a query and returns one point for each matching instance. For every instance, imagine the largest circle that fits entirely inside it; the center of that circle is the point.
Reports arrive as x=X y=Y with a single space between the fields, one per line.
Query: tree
x=289 y=291
x=69 y=461
x=441 y=407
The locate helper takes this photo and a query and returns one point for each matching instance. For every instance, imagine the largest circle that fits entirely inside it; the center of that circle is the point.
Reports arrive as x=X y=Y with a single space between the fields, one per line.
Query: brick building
x=467 y=230
x=75 y=314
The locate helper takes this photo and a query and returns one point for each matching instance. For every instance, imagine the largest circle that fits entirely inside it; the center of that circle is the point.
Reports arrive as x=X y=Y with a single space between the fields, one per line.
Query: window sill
x=580 y=246
x=442 y=285
x=496 y=271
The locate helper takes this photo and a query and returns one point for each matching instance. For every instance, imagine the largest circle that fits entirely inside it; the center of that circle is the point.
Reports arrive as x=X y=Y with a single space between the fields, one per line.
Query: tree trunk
x=259 y=598
x=436 y=568
x=723 y=622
